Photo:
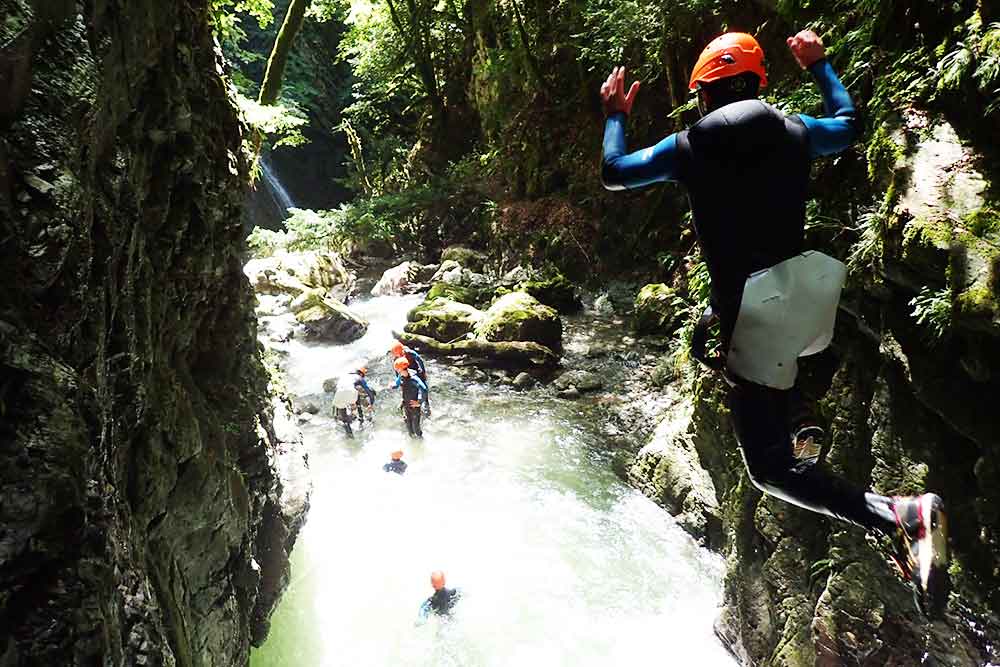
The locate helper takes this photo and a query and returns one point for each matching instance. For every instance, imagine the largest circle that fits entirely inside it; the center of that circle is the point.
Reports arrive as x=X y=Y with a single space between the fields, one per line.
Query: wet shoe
x=923 y=550
x=807 y=443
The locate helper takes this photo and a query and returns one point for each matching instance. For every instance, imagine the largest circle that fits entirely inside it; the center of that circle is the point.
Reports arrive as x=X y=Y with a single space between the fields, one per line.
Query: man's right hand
x=807 y=48
x=614 y=99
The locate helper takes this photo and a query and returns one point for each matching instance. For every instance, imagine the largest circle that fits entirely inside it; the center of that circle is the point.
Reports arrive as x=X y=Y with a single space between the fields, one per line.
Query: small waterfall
x=282 y=200
x=268 y=202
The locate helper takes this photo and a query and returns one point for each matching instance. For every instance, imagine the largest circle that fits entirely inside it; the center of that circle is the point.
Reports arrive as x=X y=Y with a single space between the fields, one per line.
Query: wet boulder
x=583 y=381
x=326 y=319
x=467 y=257
x=518 y=316
x=404 y=278
x=658 y=310
x=443 y=319
x=292 y=273
x=453 y=273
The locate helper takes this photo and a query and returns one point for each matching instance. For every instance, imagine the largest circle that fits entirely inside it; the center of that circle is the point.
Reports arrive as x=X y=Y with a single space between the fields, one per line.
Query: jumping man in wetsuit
x=746 y=168
x=443 y=600
x=414 y=392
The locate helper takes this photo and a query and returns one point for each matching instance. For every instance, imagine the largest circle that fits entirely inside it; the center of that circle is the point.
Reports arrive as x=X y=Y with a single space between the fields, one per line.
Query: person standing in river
x=414 y=393
x=400 y=351
x=746 y=167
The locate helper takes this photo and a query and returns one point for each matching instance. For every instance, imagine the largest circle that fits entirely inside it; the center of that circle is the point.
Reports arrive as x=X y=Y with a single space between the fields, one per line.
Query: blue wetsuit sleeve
x=420 y=362
x=420 y=384
x=839 y=129
x=368 y=390
x=621 y=171
x=399 y=381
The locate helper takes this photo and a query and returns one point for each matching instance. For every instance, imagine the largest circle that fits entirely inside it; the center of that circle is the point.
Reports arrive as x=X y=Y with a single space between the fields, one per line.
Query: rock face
x=519 y=316
x=145 y=518
x=909 y=407
x=669 y=471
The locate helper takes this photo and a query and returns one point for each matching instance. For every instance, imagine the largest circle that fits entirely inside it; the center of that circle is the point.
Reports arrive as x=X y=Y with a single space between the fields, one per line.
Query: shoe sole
x=934 y=579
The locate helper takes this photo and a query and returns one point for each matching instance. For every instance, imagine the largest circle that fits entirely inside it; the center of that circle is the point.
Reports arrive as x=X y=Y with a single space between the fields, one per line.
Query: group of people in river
x=353 y=396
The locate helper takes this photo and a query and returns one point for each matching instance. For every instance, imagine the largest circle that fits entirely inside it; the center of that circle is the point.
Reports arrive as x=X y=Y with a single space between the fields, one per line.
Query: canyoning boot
x=807 y=442
x=922 y=555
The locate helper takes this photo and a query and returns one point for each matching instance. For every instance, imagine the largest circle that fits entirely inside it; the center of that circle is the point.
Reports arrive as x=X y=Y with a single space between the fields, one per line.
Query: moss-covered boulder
x=472 y=296
x=557 y=292
x=327 y=319
x=442 y=319
x=467 y=257
x=519 y=316
x=657 y=310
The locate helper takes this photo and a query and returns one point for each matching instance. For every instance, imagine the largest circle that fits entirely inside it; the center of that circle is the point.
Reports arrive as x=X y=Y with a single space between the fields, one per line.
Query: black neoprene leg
x=761 y=421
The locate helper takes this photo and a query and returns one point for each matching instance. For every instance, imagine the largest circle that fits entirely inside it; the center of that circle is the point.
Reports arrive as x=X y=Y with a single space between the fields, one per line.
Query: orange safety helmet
x=396 y=349
x=437 y=579
x=728 y=55
x=401 y=364
x=396 y=455
x=363 y=371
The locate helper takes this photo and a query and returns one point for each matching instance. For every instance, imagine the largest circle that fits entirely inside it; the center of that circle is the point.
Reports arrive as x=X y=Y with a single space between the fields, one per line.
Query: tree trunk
x=270 y=87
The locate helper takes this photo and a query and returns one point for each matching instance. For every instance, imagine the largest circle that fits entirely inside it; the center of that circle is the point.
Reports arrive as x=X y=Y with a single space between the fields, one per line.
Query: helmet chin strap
x=704 y=106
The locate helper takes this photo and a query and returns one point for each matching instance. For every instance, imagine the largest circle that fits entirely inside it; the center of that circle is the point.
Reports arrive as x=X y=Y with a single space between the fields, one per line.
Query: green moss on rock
x=519 y=316
x=467 y=257
x=442 y=319
x=467 y=295
x=557 y=292
x=656 y=310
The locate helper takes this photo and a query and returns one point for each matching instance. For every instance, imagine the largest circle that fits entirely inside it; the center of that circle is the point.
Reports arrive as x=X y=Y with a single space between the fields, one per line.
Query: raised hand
x=807 y=48
x=614 y=99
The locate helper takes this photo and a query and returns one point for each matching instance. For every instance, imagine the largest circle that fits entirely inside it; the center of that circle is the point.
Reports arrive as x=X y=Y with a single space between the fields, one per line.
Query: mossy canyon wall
x=141 y=510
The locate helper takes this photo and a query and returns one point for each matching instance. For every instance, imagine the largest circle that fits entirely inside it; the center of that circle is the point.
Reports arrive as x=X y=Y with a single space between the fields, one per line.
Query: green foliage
x=974 y=60
x=281 y=123
x=983 y=222
x=226 y=21
x=265 y=242
x=932 y=310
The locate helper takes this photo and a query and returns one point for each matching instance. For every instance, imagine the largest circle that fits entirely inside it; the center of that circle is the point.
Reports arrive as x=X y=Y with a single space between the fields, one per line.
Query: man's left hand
x=614 y=99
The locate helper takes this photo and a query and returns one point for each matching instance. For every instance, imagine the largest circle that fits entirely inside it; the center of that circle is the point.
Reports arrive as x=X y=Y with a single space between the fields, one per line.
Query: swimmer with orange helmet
x=442 y=601
x=396 y=464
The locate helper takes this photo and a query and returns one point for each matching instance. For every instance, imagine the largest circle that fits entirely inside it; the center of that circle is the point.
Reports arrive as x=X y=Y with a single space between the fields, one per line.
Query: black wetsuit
x=396 y=466
x=413 y=391
x=443 y=601
x=746 y=168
